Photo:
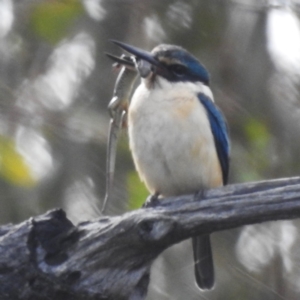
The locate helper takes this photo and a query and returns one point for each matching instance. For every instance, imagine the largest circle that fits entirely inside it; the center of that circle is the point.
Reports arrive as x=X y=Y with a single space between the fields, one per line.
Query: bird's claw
x=151 y=201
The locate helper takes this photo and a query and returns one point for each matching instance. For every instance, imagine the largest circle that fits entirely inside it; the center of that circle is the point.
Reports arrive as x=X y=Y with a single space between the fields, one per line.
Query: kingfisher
x=177 y=135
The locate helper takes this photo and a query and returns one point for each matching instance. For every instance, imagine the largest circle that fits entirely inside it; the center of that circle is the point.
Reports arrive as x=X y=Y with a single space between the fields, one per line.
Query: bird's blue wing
x=220 y=133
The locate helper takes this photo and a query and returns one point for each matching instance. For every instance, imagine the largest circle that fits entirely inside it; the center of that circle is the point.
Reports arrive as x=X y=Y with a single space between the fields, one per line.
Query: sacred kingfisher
x=177 y=134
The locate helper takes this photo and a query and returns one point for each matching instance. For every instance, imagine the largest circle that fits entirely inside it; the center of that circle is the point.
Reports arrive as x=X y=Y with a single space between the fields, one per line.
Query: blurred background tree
x=55 y=84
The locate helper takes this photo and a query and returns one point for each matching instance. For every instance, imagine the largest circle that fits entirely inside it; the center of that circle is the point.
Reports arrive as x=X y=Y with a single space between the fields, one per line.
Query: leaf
x=13 y=167
x=258 y=157
x=52 y=19
x=258 y=134
x=137 y=191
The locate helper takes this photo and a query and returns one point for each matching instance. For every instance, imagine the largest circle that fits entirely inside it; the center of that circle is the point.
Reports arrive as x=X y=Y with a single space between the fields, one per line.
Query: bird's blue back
x=220 y=133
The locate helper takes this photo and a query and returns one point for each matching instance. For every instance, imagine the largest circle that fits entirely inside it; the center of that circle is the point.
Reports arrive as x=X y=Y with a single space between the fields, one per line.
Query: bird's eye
x=178 y=70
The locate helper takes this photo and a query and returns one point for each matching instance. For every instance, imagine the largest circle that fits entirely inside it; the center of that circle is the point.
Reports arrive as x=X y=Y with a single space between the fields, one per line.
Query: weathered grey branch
x=47 y=257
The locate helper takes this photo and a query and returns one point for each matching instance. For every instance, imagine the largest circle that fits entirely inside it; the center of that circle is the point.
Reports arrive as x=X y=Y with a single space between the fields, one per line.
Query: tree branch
x=47 y=257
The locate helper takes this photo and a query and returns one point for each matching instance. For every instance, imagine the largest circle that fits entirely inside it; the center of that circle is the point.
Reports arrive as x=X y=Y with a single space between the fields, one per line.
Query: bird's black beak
x=123 y=60
x=144 y=61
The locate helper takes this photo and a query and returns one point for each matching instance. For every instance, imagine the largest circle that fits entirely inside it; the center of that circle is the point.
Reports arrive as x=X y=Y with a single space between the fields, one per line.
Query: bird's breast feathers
x=171 y=140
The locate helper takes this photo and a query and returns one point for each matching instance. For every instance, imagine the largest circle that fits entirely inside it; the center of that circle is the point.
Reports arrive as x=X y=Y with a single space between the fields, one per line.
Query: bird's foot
x=151 y=200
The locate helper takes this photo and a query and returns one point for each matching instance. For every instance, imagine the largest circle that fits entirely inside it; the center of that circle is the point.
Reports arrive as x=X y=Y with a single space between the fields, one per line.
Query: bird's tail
x=204 y=266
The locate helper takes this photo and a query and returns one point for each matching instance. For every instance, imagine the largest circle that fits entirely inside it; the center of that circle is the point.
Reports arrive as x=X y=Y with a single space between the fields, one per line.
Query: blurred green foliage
x=52 y=19
x=13 y=167
x=137 y=192
x=258 y=154
x=257 y=134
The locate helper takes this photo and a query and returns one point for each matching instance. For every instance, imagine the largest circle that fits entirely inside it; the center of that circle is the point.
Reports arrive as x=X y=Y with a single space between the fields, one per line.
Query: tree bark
x=47 y=257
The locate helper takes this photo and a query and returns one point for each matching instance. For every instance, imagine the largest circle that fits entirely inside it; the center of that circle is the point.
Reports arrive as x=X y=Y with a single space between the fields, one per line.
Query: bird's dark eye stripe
x=178 y=69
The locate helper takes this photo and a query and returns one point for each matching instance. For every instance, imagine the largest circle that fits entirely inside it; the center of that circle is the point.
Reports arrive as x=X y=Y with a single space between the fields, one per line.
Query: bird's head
x=171 y=62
